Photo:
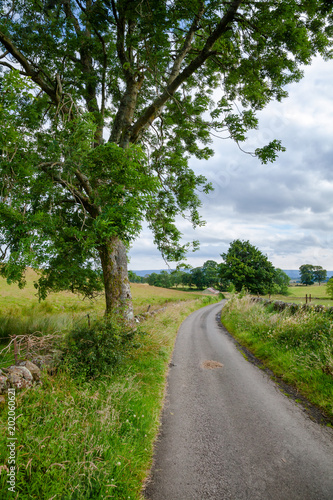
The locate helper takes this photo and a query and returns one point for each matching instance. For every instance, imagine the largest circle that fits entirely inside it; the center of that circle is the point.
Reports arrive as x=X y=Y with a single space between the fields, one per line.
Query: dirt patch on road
x=211 y=365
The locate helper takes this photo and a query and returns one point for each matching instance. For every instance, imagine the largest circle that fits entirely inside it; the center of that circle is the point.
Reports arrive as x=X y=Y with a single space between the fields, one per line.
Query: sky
x=284 y=208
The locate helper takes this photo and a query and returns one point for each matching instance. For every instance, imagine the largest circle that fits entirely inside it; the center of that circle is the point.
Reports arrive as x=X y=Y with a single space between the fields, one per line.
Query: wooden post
x=88 y=320
x=306 y=298
x=310 y=297
x=15 y=350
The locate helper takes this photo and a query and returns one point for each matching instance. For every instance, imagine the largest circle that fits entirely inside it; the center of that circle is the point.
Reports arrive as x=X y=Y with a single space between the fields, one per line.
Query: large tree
x=319 y=274
x=306 y=274
x=103 y=103
x=247 y=267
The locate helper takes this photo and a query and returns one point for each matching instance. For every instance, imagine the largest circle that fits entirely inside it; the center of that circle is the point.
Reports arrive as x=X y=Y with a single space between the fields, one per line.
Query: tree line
x=244 y=267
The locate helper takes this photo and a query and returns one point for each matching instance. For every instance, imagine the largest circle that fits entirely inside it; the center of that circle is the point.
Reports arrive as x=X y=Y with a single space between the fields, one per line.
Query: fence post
x=310 y=297
x=15 y=350
x=306 y=298
x=88 y=320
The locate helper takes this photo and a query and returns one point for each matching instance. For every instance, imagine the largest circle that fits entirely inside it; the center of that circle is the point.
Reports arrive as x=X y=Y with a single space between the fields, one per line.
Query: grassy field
x=297 y=294
x=91 y=439
x=296 y=347
x=21 y=312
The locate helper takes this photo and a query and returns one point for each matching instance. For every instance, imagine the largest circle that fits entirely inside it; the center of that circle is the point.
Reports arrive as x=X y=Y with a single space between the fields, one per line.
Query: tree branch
x=30 y=71
x=187 y=45
x=152 y=111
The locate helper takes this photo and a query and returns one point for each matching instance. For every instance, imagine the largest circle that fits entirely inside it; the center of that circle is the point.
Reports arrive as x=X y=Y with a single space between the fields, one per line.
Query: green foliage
x=281 y=282
x=329 y=288
x=200 y=277
x=319 y=274
x=102 y=104
x=306 y=272
x=77 y=437
x=311 y=274
x=297 y=346
x=94 y=350
x=246 y=267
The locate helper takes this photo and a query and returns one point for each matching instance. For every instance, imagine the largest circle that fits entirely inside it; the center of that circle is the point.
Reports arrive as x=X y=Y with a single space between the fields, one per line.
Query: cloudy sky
x=284 y=208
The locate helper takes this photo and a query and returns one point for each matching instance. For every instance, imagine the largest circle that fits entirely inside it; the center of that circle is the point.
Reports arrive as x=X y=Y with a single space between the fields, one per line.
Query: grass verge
x=298 y=347
x=94 y=440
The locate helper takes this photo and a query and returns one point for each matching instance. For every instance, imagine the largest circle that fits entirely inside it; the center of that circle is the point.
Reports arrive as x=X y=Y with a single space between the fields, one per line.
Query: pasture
x=297 y=294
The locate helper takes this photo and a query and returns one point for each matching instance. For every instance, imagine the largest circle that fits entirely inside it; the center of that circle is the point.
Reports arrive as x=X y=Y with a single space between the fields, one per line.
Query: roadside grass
x=296 y=347
x=94 y=439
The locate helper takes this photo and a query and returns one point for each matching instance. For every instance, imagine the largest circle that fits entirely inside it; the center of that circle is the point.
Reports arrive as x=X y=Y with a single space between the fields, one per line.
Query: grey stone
x=33 y=369
x=4 y=383
x=19 y=377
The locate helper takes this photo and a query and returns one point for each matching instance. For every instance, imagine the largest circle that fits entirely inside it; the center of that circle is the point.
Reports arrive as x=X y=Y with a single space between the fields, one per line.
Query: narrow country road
x=229 y=433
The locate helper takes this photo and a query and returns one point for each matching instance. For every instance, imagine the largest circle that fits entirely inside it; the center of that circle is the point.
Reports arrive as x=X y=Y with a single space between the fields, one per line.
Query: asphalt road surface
x=229 y=432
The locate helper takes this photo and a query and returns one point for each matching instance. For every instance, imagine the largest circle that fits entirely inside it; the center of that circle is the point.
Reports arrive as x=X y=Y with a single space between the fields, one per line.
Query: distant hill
x=292 y=273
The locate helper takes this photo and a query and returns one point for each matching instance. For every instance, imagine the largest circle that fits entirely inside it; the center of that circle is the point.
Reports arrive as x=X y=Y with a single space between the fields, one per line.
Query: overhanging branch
x=153 y=110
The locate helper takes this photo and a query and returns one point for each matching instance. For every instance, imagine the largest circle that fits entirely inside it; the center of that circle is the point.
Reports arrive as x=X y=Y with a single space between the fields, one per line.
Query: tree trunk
x=118 y=296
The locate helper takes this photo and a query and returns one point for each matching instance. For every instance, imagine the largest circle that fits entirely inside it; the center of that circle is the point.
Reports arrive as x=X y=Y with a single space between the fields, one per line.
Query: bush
x=329 y=288
x=94 y=350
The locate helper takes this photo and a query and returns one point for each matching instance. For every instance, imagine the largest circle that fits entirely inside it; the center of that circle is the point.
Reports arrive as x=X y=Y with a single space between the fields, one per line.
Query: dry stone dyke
x=19 y=377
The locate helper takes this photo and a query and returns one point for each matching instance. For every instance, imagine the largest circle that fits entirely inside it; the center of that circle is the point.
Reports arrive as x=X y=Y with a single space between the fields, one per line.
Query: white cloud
x=285 y=208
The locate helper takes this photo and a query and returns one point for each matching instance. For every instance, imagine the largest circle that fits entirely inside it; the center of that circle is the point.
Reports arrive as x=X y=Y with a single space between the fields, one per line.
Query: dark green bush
x=94 y=350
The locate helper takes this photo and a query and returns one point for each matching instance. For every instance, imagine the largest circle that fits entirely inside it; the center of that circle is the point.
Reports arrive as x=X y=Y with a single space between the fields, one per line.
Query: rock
x=4 y=383
x=2 y=401
x=19 y=377
x=44 y=362
x=33 y=369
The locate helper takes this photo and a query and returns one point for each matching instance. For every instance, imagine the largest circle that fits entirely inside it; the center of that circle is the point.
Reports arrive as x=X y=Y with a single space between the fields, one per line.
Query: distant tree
x=246 y=266
x=306 y=272
x=198 y=278
x=164 y=280
x=187 y=280
x=153 y=279
x=281 y=282
x=176 y=277
x=329 y=288
x=211 y=273
x=135 y=278
x=319 y=274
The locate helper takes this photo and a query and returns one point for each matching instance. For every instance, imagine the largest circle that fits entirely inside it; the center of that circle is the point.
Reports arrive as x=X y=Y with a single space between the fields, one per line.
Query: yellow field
x=23 y=302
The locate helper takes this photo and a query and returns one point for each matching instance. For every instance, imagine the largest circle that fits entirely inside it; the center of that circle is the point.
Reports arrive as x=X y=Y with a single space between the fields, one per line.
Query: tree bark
x=118 y=296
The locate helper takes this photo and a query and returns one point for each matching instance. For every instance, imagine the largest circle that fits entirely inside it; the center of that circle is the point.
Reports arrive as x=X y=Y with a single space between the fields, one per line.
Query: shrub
x=94 y=350
x=329 y=288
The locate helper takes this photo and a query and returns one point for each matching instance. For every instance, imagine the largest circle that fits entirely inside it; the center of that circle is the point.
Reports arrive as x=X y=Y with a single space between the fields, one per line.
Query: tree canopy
x=102 y=105
x=310 y=274
x=247 y=267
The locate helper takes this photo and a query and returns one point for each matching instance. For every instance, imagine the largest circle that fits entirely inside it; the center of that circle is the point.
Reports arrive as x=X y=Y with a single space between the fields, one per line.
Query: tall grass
x=93 y=439
x=298 y=346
